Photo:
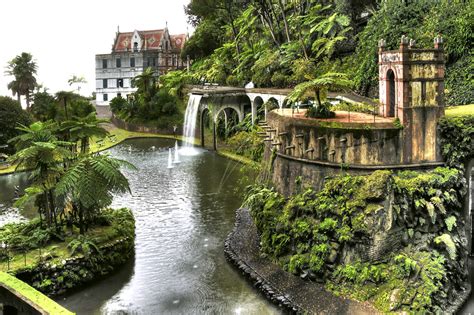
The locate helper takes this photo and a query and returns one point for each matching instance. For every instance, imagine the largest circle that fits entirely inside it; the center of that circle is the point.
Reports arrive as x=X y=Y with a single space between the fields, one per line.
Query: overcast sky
x=64 y=36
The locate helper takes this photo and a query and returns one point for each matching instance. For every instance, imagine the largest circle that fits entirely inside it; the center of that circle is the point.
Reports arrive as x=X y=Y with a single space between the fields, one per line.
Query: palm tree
x=145 y=82
x=40 y=150
x=90 y=184
x=83 y=129
x=23 y=69
x=77 y=80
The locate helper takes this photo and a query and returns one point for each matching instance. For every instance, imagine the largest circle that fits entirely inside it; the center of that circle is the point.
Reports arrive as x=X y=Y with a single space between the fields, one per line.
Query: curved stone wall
x=315 y=149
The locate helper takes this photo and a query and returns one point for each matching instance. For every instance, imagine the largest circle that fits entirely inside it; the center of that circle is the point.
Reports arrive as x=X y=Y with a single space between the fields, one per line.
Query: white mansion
x=132 y=52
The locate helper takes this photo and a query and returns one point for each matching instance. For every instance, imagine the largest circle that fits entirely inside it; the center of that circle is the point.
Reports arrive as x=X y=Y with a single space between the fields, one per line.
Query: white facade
x=132 y=53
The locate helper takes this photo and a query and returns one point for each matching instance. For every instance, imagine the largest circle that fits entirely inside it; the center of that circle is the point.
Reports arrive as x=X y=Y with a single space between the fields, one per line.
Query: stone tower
x=411 y=88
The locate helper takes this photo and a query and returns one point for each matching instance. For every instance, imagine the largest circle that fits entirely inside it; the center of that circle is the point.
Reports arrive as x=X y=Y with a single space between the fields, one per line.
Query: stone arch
x=227 y=118
x=391 y=93
x=235 y=107
x=258 y=110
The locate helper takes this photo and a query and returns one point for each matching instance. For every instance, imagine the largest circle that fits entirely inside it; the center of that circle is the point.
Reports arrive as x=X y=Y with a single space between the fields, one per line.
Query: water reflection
x=8 y=184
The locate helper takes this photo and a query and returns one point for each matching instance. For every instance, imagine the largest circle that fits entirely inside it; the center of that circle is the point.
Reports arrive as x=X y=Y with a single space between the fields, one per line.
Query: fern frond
x=449 y=244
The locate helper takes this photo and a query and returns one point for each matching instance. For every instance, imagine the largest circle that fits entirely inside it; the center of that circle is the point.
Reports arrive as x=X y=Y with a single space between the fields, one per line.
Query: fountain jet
x=170 y=159
x=176 y=154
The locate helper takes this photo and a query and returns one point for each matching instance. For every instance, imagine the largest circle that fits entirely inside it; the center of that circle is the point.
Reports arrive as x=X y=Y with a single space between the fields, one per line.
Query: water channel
x=182 y=218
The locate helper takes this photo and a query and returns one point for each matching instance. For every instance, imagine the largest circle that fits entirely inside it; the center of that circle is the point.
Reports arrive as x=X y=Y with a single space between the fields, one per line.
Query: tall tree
x=23 y=68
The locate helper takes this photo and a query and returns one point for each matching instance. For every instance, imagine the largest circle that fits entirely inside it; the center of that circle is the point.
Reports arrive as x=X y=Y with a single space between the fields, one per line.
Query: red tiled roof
x=153 y=37
x=177 y=41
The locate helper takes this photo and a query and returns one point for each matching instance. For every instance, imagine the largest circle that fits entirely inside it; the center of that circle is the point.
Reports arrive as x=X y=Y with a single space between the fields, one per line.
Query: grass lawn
x=116 y=136
x=462 y=110
x=46 y=304
x=233 y=156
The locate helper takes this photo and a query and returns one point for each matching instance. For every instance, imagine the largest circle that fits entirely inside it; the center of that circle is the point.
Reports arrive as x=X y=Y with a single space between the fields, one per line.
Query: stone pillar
x=254 y=111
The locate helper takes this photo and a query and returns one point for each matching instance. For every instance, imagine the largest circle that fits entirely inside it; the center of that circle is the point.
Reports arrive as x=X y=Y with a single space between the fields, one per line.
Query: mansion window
x=132 y=62
x=118 y=62
x=119 y=83
x=151 y=62
x=104 y=83
x=105 y=98
x=104 y=63
x=135 y=47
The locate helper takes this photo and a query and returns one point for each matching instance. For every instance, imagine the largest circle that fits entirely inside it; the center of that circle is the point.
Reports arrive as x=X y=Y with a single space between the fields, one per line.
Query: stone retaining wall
x=290 y=292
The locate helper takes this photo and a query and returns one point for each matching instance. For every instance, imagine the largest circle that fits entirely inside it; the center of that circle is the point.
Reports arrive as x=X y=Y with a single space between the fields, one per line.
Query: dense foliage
x=150 y=104
x=457 y=139
x=421 y=20
x=245 y=140
x=406 y=256
x=11 y=117
x=69 y=185
x=277 y=43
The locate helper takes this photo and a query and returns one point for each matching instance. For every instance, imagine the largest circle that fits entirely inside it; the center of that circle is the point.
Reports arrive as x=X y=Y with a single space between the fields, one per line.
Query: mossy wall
x=70 y=273
x=395 y=239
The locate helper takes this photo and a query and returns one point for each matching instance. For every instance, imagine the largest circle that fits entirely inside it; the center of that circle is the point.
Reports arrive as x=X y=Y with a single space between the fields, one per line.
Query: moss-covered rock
x=78 y=259
x=394 y=239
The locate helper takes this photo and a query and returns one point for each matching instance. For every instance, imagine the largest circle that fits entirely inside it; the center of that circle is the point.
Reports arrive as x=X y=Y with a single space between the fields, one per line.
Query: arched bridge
x=251 y=100
x=242 y=100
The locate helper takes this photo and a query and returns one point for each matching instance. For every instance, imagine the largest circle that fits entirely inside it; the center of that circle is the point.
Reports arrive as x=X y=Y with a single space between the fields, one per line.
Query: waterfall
x=189 y=130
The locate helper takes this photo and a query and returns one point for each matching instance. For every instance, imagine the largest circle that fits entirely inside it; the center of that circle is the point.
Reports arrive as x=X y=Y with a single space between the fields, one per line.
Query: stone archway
x=226 y=120
x=259 y=110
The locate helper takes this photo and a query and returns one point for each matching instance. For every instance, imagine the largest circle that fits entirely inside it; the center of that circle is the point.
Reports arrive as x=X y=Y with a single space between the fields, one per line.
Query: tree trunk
x=65 y=108
x=46 y=207
x=318 y=95
x=27 y=97
x=81 y=220
x=285 y=22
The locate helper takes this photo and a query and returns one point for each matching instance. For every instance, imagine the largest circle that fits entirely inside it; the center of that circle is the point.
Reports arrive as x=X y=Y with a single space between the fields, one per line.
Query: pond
x=182 y=217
